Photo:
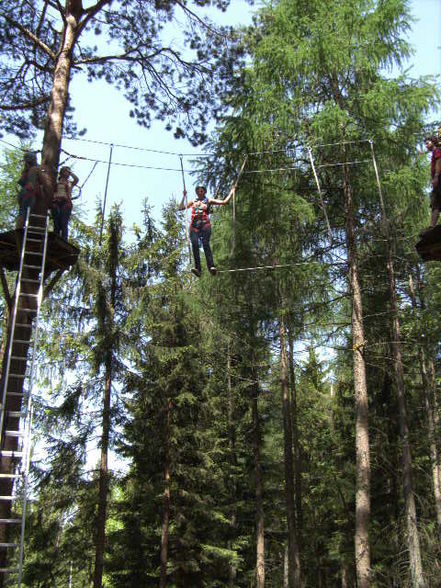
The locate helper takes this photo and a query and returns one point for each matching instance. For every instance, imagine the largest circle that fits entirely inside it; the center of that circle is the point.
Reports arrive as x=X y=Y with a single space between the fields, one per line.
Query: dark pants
x=25 y=201
x=61 y=212
x=202 y=234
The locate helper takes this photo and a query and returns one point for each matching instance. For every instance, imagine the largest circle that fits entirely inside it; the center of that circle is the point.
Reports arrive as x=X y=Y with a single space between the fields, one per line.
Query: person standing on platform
x=62 y=202
x=29 y=187
x=432 y=145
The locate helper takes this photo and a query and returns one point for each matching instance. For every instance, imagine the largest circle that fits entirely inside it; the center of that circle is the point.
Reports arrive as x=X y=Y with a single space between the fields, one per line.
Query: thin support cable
x=380 y=192
x=319 y=191
x=342 y=163
x=342 y=143
x=105 y=191
x=233 y=187
x=90 y=173
x=205 y=154
x=187 y=232
x=259 y=267
x=279 y=266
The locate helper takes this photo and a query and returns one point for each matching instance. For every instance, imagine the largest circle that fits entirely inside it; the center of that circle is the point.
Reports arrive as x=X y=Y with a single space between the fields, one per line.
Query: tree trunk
x=296 y=447
x=232 y=440
x=293 y=548
x=363 y=468
x=429 y=387
x=103 y=481
x=166 y=501
x=436 y=431
x=413 y=541
x=409 y=497
x=260 y=534
x=108 y=325
x=58 y=100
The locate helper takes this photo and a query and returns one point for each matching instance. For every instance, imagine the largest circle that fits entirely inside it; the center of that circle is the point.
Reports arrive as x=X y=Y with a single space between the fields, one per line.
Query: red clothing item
x=436 y=154
x=199 y=214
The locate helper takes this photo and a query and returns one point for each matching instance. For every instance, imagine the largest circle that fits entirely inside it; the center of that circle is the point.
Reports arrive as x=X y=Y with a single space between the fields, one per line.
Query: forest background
x=279 y=427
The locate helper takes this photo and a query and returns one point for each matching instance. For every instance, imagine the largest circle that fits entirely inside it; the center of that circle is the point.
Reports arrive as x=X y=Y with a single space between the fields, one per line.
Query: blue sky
x=103 y=111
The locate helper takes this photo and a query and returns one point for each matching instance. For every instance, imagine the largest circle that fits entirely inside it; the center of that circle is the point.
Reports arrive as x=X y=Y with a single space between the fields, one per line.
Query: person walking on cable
x=200 y=226
x=62 y=202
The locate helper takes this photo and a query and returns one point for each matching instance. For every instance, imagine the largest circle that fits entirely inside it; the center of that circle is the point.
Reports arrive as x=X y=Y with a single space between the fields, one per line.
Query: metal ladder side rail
x=27 y=437
x=23 y=456
x=27 y=463
x=12 y=331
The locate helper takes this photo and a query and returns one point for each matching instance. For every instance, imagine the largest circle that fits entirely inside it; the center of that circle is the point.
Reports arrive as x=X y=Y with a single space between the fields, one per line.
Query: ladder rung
x=31 y=282
x=19 y=357
x=9 y=476
x=22 y=341
x=11 y=393
x=19 y=376
x=32 y=240
x=7 y=453
x=8 y=570
x=15 y=414
x=28 y=294
x=28 y=309
x=36 y=231
x=17 y=434
x=28 y=266
x=13 y=545
x=10 y=521
x=36 y=215
x=7 y=497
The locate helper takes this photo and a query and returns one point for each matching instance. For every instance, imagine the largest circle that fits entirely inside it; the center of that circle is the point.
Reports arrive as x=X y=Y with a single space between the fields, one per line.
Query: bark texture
x=363 y=467
x=293 y=547
x=260 y=527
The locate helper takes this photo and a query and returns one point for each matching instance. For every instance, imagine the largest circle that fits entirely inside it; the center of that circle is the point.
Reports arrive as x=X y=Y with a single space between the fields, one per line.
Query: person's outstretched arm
x=226 y=200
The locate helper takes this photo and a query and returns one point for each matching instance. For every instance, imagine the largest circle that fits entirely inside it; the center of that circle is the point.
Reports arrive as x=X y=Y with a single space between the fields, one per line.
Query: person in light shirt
x=62 y=202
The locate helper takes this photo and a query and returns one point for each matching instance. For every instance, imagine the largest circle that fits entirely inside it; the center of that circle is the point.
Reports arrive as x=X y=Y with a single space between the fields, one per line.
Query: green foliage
x=196 y=366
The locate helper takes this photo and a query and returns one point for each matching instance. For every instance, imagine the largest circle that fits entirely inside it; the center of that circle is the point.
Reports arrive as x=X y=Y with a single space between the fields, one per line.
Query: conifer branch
x=25 y=105
x=30 y=35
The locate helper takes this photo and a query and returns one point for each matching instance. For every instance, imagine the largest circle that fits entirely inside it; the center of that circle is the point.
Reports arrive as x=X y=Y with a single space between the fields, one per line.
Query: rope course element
x=277 y=266
x=136 y=148
x=342 y=163
x=260 y=267
x=88 y=176
x=117 y=163
x=105 y=191
x=205 y=153
x=322 y=203
x=187 y=232
x=179 y=170
x=354 y=142
x=234 y=186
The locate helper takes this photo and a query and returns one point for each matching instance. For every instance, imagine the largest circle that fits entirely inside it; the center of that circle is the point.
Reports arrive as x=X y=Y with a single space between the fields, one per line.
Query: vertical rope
x=377 y=175
x=234 y=199
x=319 y=191
x=187 y=233
x=105 y=191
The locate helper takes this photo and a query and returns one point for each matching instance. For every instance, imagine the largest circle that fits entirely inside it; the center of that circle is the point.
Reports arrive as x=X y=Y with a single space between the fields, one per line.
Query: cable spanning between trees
x=278 y=266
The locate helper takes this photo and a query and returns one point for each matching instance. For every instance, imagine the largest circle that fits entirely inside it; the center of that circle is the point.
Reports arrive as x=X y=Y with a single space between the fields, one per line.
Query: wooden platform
x=429 y=246
x=61 y=255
